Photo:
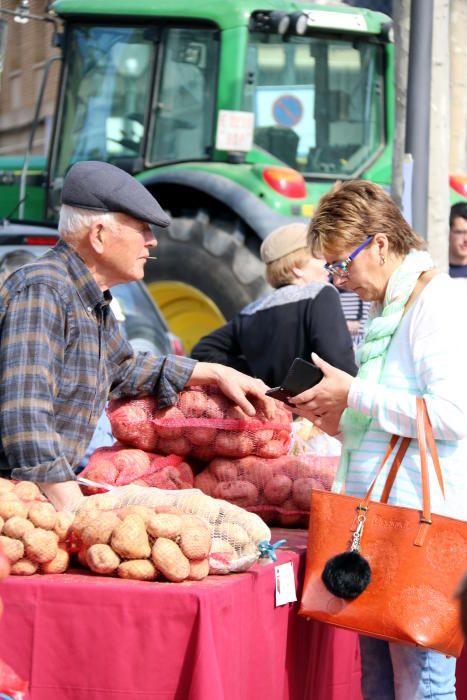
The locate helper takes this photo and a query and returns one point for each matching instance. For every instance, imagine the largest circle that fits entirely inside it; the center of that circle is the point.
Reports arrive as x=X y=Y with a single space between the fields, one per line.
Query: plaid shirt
x=62 y=356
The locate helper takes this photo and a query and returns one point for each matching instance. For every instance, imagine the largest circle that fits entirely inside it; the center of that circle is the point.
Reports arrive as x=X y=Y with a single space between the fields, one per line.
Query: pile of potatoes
x=202 y=424
x=279 y=490
x=33 y=534
x=136 y=542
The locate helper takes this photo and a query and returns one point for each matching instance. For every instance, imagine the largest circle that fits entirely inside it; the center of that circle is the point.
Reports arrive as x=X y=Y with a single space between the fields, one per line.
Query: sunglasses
x=341 y=269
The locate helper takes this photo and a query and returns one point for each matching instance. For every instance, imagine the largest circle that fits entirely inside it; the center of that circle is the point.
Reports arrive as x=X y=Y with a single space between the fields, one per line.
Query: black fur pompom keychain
x=348 y=574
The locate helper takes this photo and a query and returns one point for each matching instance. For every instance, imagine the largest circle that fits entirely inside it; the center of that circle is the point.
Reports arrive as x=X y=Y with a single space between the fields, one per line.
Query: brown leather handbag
x=416 y=558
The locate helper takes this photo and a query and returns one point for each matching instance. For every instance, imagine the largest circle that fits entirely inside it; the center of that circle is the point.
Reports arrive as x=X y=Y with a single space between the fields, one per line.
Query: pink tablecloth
x=83 y=637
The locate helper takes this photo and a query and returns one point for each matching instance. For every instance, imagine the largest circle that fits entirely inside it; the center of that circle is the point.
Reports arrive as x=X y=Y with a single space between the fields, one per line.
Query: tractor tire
x=210 y=256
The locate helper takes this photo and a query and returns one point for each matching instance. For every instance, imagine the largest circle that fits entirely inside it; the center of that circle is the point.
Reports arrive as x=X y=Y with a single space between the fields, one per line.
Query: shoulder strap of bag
x=424 y=436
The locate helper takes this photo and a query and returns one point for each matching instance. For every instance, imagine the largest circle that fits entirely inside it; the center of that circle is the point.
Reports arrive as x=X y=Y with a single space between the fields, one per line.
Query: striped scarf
x=383 y=321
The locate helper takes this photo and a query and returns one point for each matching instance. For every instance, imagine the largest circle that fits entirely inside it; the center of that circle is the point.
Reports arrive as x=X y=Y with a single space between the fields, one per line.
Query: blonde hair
x=279 y=272
x=354 y=210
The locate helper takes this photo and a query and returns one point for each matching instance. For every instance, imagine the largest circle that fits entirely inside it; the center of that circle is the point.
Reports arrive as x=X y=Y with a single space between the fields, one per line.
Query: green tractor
x=236 y=115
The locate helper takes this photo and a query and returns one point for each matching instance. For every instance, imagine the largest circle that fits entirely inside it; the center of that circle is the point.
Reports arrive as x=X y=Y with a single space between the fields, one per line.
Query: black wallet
x=302 y=375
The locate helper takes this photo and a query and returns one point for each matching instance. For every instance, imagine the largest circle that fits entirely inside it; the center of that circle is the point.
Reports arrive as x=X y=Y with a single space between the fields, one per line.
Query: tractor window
x=318 y=102
x=182 y=122
x=106 y=95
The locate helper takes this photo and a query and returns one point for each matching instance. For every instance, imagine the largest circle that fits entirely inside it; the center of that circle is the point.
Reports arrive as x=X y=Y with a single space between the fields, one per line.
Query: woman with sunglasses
x=415 y=345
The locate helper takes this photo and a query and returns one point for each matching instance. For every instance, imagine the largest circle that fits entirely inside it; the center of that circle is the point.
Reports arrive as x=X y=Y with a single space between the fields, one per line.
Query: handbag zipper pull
x=357 y=535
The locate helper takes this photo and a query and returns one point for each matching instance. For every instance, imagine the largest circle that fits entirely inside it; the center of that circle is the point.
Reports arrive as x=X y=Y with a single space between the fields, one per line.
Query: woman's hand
x=324 y=403
x=236 y=385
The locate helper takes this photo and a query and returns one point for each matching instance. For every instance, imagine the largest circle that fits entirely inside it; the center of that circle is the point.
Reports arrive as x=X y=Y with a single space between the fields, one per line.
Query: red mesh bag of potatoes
x=202 y=424
x=276 y=489
x=119 y=465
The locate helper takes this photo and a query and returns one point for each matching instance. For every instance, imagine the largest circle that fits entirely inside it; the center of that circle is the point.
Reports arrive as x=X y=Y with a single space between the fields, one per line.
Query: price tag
x=285 y=584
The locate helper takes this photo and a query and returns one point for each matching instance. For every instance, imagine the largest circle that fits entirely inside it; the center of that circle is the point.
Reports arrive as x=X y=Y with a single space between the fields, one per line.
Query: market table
x=78 y=636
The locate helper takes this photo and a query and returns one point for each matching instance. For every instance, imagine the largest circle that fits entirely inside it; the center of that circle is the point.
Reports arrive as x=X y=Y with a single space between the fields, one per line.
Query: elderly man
x=61 y=353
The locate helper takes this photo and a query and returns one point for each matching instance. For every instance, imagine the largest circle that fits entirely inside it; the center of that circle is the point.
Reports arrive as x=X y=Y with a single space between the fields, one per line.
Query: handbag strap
x=425 y=437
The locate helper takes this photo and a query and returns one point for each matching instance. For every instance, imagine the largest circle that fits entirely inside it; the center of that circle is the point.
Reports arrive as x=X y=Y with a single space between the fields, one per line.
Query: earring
x=382 y=259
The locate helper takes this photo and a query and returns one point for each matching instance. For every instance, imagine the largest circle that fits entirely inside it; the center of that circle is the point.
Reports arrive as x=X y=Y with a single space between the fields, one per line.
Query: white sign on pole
x=234 y=130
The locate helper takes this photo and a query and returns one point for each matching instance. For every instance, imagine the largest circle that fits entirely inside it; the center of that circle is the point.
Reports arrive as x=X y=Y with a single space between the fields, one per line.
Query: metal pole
x=417 y=133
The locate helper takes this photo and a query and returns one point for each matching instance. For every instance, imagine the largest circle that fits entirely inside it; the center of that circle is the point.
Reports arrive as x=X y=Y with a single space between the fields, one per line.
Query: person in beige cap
x=302 y=315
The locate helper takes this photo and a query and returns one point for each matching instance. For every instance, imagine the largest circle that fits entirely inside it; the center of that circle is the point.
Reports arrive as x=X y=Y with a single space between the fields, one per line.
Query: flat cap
x=282 y=241
x=92 y=184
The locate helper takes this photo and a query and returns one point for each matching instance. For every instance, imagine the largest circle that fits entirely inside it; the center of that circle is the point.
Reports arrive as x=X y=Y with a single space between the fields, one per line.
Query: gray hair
x=74 y=221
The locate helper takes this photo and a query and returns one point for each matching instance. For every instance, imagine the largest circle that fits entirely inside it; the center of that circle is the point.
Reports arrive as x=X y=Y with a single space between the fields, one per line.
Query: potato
x=83 y=517
x=168 y=431
x=224 y=469
x=63 y=525
x=195 y=542
x=100 y=529
x=24 y=567
x=139 y=569
x=273 y=448
x=143 y=511
x=199 y=569
x=27 y=491
x=42 y=515
x=194 y=521
x=2 y=523
x=130 y=539
x=216 y=405
x=102 y=559
x=176 y=446
x=40 y=545
x=16 y=527
x=206 y=482
x=231 y=443
x=11 y=505
x=12 y=548
x=235 y=534
x=170 y=560
x=241 y=493
x=6 y=486
x=221 y=546
x=59 y=564
x=164 y=525
x=193 y=404
x=302 y=491
x=262 y=437
x=201 y=436
x=278 y=489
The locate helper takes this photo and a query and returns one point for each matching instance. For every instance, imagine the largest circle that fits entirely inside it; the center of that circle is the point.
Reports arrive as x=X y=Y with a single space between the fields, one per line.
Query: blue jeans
x=399 y=672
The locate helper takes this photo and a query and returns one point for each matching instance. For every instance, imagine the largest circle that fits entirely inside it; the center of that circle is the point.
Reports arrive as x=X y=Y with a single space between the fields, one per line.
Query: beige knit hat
x=282 y=241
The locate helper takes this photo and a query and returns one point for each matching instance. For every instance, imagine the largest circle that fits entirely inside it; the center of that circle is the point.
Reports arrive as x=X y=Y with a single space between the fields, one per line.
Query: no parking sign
x=290 y=107
x=287 y=110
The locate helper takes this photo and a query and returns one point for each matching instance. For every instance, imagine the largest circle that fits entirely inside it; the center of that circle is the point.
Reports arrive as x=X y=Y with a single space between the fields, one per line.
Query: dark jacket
x=293 y=321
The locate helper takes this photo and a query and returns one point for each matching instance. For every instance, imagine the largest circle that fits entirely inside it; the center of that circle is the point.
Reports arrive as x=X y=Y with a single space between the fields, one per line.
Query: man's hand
x=65 y=495
x=236 y=385
x=325 y=402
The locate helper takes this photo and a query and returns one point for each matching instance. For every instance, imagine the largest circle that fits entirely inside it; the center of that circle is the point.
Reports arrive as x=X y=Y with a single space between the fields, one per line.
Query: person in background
x=302 y=315
x=355 y=313
x=12 y=261
x=62 y=355
x=458 y=240
x=414 y=346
